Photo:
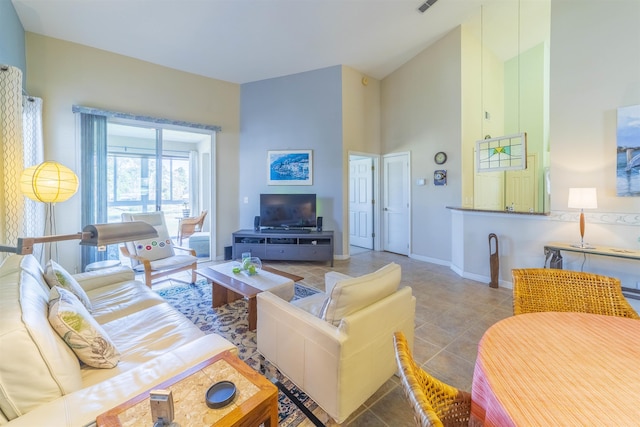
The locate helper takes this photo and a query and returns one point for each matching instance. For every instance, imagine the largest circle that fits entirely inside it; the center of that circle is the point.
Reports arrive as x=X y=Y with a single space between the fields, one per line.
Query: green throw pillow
x=71 y=320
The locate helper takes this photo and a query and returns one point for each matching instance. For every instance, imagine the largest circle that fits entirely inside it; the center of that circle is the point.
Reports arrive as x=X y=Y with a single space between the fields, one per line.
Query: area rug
x=231 y=322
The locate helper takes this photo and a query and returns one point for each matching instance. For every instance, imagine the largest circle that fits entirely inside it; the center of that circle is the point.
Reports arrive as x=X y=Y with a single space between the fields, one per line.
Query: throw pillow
x=354 y=294
x=55 y=275
x=158 y=247
x=80 y=331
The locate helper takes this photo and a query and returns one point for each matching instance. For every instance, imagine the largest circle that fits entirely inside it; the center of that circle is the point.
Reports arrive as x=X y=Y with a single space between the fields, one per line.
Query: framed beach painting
x=628 y=151
x=289 y=167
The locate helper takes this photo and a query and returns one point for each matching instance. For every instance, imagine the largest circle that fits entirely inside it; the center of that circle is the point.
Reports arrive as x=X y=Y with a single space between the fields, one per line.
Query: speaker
x=319 y=224
x=256 y=223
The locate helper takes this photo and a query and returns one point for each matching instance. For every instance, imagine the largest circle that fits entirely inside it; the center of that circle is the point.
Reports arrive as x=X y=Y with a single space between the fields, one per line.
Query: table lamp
x=582 y=198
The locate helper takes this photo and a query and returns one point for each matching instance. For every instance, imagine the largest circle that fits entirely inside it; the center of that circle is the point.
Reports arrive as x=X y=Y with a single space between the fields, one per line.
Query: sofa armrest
x=273 y=305
x=99 y=278
x=330 y=280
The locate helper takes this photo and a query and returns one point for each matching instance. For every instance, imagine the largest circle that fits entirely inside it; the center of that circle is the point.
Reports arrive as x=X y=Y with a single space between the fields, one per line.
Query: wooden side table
x=256 y=398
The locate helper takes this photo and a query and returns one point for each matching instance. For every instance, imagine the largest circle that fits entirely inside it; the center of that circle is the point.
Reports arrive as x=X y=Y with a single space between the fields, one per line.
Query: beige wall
x=361 y=127
x=64 y=74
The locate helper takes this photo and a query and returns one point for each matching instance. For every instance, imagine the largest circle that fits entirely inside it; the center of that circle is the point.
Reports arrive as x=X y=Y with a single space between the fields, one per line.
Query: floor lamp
x=49 y=183
x=99 y=235
x=582 y=198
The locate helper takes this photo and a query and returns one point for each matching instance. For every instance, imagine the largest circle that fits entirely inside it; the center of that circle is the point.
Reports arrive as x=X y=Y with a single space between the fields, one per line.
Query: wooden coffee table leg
x=272 y=421
x=233 y=296
x=253 y=313
x=219 y=295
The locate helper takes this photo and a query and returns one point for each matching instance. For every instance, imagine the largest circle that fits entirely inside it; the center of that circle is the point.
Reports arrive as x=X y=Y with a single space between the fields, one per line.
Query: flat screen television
x=287 y=210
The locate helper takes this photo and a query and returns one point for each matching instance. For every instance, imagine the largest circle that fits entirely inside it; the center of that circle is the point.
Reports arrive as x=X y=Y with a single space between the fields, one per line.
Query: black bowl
x=220 y=394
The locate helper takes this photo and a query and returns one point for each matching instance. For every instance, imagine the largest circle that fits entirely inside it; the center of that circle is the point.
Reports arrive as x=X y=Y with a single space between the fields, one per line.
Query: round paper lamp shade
x=48 y=182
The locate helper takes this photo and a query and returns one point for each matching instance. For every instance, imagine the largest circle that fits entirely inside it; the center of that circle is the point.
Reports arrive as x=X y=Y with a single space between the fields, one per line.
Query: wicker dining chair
x=434 y=403
x=548 y=289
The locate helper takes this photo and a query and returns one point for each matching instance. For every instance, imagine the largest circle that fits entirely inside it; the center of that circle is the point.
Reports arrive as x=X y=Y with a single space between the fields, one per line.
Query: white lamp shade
x=48 y=182
x=583 y=198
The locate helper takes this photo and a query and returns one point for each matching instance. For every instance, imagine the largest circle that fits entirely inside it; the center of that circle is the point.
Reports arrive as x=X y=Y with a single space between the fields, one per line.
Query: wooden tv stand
x=284 y=246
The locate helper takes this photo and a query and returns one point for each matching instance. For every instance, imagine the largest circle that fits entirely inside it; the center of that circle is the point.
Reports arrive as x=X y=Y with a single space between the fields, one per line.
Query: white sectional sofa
x=42 y=381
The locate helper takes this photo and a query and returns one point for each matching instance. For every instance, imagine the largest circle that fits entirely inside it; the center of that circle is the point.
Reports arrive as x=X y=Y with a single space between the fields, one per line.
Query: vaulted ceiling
x=248 y=40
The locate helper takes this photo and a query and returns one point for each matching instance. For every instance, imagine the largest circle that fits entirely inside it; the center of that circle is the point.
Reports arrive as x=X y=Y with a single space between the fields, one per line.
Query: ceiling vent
x=426 y=5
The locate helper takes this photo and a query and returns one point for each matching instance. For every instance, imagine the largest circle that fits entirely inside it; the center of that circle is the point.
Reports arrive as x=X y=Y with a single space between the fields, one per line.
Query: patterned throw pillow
x=80 y=331
x=55 y=275
x=154 y=249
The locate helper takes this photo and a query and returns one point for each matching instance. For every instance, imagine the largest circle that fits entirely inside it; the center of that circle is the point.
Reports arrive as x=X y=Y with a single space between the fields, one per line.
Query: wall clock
x=440 y=157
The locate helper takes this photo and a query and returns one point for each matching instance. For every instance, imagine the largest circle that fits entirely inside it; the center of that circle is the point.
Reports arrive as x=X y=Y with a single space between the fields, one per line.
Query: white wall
x=595 y=68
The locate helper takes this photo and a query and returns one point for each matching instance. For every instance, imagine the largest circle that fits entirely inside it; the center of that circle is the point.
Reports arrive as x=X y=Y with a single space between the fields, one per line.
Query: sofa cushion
x=121 y=299
x=55 y=275
x=313 y=304
x=28 y=340
x=80 y=331
x=353 y=294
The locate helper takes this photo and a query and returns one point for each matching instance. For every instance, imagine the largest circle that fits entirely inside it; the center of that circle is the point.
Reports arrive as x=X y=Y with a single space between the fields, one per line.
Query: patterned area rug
x=231 y=322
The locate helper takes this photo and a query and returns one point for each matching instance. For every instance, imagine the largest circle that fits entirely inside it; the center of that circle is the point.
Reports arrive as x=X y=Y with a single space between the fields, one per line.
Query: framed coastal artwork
x=628 y=152
x=290 y=167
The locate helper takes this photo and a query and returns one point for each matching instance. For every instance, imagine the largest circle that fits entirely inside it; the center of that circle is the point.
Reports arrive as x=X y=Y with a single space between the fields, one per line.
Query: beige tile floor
x=452 y=313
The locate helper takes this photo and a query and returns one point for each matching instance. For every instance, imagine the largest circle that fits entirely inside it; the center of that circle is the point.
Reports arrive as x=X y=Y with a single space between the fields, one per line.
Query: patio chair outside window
x=190 y=225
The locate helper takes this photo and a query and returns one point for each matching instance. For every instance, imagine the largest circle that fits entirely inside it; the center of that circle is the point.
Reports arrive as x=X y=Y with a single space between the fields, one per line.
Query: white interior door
x=522 y=187
x=488 y=189
x=361 y=202
x=396 y=216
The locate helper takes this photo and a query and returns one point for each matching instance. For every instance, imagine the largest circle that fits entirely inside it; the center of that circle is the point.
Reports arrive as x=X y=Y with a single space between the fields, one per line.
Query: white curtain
x=21 y=146
x=34 y=212
x=11 y=153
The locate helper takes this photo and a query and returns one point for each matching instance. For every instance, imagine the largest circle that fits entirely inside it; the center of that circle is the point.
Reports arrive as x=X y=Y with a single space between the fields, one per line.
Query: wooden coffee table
x=227 y=286
x=256 y=399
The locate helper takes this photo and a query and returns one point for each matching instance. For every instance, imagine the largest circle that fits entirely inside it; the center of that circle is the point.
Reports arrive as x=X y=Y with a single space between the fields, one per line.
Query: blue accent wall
x=12 y=50
x=300 y=111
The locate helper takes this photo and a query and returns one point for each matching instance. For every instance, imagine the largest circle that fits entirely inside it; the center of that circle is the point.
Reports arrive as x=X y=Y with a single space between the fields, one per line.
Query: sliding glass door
x=133 y=163
x=156 y=169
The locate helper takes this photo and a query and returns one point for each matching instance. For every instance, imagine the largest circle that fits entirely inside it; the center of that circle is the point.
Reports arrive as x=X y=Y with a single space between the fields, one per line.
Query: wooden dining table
x=558 y=369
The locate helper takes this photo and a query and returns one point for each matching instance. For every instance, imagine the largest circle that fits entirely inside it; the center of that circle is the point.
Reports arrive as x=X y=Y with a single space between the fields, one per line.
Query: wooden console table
x=552 y=254
x=256 y=400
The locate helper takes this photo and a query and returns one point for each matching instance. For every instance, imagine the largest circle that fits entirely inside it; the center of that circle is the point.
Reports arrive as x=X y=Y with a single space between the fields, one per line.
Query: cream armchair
x=338 y=346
